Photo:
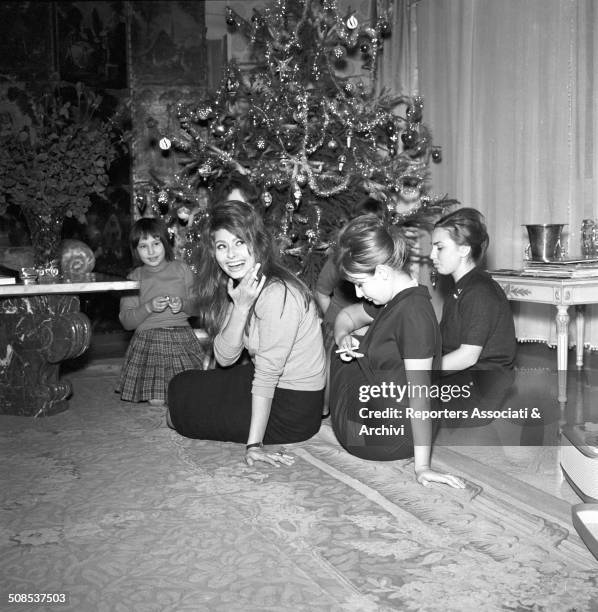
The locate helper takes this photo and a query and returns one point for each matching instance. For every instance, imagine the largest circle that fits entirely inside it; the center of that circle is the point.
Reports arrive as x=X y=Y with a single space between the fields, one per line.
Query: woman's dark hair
x=367 y=242
x=368 y=206
x=151 y=227
x=467 y=226
x=241 y=220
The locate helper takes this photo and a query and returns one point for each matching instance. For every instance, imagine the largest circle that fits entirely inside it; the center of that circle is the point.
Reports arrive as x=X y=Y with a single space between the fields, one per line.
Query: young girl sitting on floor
x=164 y=343
x=374 y=413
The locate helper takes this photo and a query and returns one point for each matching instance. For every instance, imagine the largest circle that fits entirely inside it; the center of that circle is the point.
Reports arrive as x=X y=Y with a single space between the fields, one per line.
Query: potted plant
x=55 y=151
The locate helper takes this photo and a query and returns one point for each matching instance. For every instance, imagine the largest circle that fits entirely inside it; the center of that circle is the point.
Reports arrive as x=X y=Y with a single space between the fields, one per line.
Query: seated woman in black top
x=478 y=333
x=374 y=413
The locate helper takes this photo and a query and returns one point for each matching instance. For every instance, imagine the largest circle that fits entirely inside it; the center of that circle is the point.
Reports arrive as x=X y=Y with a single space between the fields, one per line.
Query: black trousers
x=216 y=405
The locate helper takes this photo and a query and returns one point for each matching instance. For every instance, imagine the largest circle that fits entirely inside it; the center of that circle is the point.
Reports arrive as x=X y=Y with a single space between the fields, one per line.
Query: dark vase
x=46 y=233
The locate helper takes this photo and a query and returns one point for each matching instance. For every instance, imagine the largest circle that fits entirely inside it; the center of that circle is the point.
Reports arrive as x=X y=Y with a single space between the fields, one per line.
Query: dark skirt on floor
x=153 y=357
x=216 y=405
x=374 y=439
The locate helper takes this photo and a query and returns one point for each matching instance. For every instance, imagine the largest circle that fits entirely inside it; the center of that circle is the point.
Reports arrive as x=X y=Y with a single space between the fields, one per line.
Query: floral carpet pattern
x=107 y=505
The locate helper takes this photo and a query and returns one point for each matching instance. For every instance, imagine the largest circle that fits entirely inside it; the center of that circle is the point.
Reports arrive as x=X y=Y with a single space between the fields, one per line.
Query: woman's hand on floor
x=427 y=476
x=273 y=458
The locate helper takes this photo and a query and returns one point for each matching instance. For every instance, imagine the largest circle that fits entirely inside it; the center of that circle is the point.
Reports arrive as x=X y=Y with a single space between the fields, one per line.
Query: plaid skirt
x=153 y=357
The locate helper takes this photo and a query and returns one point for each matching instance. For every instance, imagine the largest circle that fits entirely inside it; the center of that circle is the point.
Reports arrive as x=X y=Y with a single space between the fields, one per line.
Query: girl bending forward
x=381 y=387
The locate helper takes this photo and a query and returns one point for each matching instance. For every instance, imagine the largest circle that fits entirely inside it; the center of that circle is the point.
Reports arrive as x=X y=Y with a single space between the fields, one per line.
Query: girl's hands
x=347 y=348
x=249 y=287
x=175 y=303
x=258 y=453
x=426 y=476
x=162 y=302
x=158 y=304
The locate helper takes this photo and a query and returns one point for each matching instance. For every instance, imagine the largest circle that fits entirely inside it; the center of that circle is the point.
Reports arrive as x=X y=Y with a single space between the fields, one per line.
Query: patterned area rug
x=107 y=505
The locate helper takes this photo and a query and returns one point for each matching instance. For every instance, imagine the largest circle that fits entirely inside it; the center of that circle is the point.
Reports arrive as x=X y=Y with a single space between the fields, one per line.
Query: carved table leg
x=562 y=330
x=36 y=334
x=581 y=328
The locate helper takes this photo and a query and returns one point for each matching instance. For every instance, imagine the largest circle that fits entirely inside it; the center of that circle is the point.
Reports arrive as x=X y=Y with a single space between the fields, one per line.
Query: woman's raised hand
x=249 y=287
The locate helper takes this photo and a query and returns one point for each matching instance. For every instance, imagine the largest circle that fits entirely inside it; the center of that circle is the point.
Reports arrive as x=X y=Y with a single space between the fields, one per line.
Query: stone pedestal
x=37 y=332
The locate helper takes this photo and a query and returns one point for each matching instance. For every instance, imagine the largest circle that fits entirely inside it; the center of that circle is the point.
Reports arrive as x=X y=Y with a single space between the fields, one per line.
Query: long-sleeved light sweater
x=284 y=341
x=174 y=278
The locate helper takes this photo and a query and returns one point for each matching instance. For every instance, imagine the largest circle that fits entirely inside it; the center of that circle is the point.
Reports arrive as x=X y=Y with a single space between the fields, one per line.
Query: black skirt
x=216 y=405
x=376 y=439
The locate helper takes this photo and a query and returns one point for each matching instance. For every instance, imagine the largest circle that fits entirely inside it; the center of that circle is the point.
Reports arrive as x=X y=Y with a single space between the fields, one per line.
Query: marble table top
x=94 y=283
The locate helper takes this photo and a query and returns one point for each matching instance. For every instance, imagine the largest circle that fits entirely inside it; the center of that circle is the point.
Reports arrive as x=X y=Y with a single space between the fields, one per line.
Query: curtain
x=509 y=90
x=397 y=67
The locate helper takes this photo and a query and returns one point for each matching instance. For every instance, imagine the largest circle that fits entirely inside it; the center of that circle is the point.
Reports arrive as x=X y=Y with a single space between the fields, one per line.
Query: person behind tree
x=332 y=292
x=164 y=343
x=478 y=333
x=400 y=349
x=248 y=300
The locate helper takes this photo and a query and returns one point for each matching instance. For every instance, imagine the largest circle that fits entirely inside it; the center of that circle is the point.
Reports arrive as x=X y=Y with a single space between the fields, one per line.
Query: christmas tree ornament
x=205 y=169
x=165 y=143
x=339 y=53
x=384 y=27
x=301 y=179
x=352 y=22
x=232 y=85
x=436 y=154
x=266 y=198
x=163 y=207
x=349 y=88
x=203 y=112
x=409 y=138
x=341 y=162
x=290 y=207
x=230 y=17
x=332 y=144
x=260 y=143
x=415 y=111
x=364 y=48
x=183 y=213
x=219 y=129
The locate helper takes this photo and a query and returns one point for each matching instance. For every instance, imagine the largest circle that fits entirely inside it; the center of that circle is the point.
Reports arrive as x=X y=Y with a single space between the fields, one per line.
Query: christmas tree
x=301 y=140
